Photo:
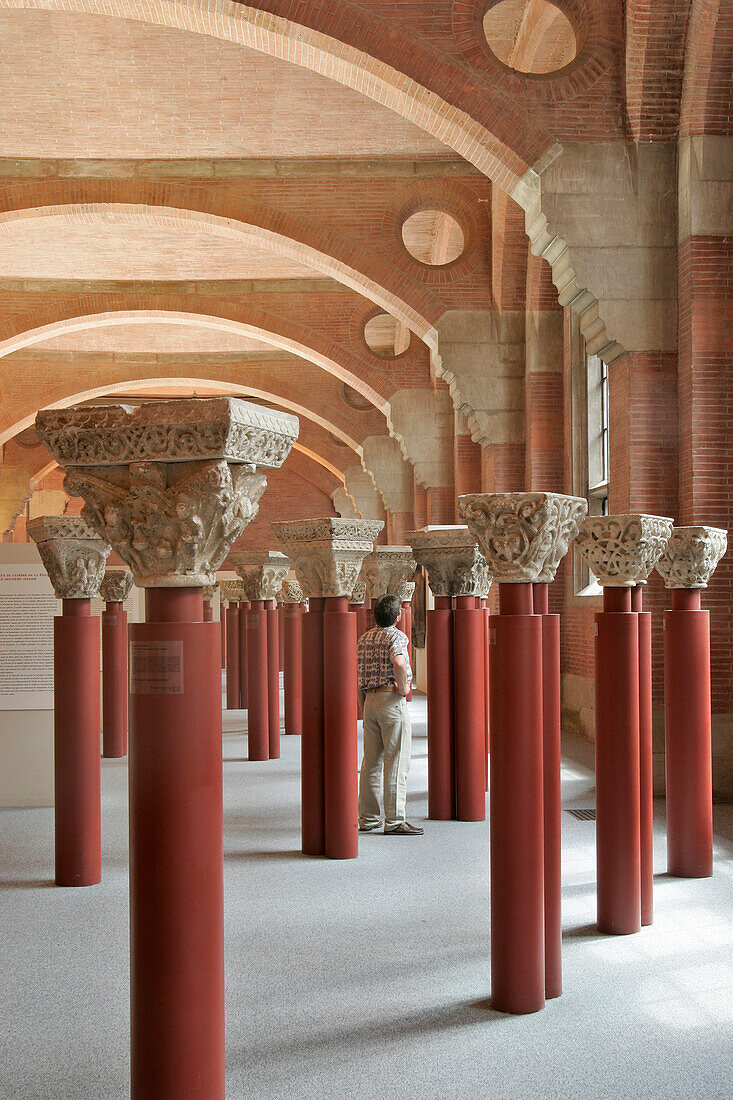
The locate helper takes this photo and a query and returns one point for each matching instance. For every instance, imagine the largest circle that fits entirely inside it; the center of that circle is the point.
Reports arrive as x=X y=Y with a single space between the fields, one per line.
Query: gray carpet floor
x=369 y=978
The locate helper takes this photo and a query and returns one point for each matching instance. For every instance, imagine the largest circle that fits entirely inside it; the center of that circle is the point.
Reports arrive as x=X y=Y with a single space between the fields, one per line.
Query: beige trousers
x=387 y=741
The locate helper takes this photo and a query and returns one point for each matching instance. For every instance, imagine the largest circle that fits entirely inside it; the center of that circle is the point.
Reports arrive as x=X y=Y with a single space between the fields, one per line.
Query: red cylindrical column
x=312 y=762
x=687 y=709
x=273 y=678
x=281 y=636
x=114 y=680
x=176 y=859
x=233 y=657
x=258 y=717
x=292 y=673
x=341 y=764
x=487 y=707
x=243 y=697
x=223 y=629
x=441 y=717
x=208 y=612
x=618 y=844
x=517 y=834
x=362 y=616
x=646 y=758
x=469 y=709
x=77 y=810
x=551 y=799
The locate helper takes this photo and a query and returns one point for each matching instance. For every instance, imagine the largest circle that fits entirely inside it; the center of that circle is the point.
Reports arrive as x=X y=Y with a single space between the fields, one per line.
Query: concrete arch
x=198 y=384
x=178 y=207
x=21 y=332
x=318 y=42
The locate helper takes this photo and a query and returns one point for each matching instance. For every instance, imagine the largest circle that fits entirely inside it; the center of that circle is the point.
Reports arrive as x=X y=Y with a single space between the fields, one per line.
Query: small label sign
x=109 y=620
x=492 y=635
x=253 y=622
x=156 y=668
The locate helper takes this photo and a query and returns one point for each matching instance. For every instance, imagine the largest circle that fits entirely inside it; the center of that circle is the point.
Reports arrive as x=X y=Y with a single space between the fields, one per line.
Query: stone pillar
x=280 y=632
x=233 y=592
x=328 y=554
x=172 y=485
x=686 y=565
x=523 y=537
x=209 y=591
x=621 y=551
x=292 y=607
x=357 y=601
x=458 y=577
x=262 y=573
x=114 y=590
x=73 y=555
x=407 y=591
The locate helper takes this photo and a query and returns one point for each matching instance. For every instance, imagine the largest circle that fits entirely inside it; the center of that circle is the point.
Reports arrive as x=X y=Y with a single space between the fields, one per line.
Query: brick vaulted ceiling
x=228 y=206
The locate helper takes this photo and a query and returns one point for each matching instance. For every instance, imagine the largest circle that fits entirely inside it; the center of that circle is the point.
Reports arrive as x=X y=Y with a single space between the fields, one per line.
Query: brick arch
x=175 y=206
x=706 y=94
x=97 y=311
x=354 y=46
x=656 y=35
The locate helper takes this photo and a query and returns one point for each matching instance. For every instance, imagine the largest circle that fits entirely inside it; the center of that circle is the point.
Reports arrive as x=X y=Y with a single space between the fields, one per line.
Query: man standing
x=384 y=676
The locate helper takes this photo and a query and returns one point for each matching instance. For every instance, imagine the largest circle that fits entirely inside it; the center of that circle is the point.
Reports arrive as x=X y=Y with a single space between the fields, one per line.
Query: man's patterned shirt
x=374 y=653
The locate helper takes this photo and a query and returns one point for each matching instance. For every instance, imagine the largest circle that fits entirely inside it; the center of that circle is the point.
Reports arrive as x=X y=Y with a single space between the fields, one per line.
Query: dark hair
x=387 y=610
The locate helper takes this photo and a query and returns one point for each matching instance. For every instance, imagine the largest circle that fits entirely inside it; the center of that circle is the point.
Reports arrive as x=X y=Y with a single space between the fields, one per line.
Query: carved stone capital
x=232 y=591
x=358 y=593
x=523 y=536
x=691 y=556
x=621 y=551
x=171 y=484
x=72 y=553
x=406 y=592
x=292 y=592
x=386 y=570
x=116 y=585
x=262 y=572
x=210 y=592
x=203 y=429
x=454 y=563
x=328 y=552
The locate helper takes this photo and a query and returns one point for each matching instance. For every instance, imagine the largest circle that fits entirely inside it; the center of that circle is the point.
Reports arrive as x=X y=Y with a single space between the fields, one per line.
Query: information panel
x=27 y=610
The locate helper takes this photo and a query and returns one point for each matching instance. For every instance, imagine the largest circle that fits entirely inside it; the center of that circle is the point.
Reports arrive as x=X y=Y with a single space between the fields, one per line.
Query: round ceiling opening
x=433 y=237
x=530 y=36
x=386 y=336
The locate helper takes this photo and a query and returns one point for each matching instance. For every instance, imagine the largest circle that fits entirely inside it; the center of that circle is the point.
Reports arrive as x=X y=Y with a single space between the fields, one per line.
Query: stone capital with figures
x=170 y=484
x=622 y=550
x=73 y=555
x=262 y=572
x=358 y=594
x=386 y=570
x=328 y=552
x=292 y=592
x=210 y=592
x=691 y=556
x=232 y=591
x=406 y=592
x=116 y=585
x=523 y=536
x=454 y=563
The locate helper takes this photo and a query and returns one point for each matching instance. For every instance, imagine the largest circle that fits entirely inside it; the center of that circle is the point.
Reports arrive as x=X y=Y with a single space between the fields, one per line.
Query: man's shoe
x=368 y=828
x=404 y=829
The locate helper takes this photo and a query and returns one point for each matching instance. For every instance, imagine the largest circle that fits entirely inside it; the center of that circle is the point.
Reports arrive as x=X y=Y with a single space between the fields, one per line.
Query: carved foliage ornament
x=328 y=552
x=168 y=431
x=523 y=536
x=262 y=573
x=454 y=564
x=173 y=524
x=691 y=556
x=116 y=585
x=622 y=550
x=72 y=554
x=209 y=592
